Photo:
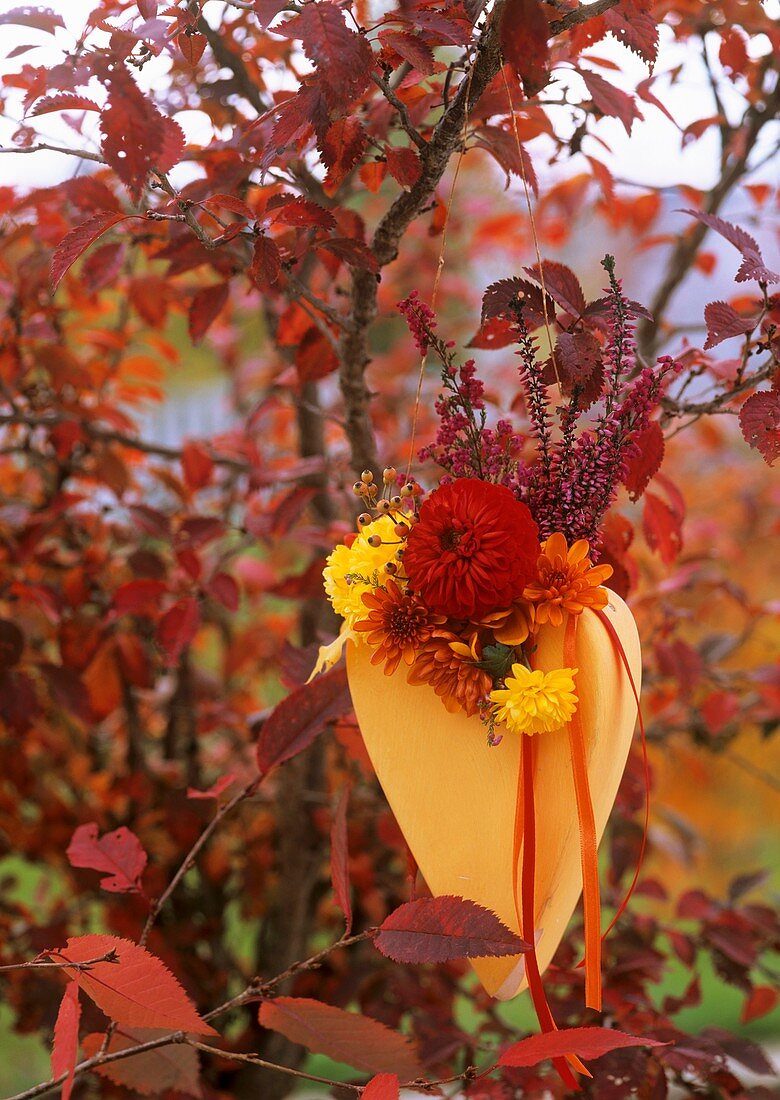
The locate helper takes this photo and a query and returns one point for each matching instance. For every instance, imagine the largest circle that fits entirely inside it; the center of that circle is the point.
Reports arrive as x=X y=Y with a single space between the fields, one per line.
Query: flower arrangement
x=454 y=585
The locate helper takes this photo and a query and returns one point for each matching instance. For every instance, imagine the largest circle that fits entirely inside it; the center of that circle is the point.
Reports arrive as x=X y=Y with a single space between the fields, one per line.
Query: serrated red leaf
x=137 y=990
x=343 y=58
x=65 y=1050
x=759 y=419
x=351 y=251
x=191 y=45
x=266 y=262
x=403 y=164
x=303 y=212
x=141 y=597
x=585 y=1042
x=578 y=365
x=177 y=628
x=339 y=860
x=385 y=1086
x=634 y=26
x=610 y=100
x=197 y=464
x=438 y=929
x=63 y=101
x=148 y=8
x=497 y=299
x=525 y=32
x=562 y=284
x=733 y=51
x=344 y=1036
x=205 y=307
x=762 y=1000
x=646 y=464
x=151 y=1072
x=723 y=322
x=513 y=158
x=410 y=47
x=662 y=527
x=752 y=266
x=75 y=243
x=172 y=145
x=229 y=202
x=342 y=148
x=302 y=716
x=119 y=853
x=134 y=131
x=373 y=174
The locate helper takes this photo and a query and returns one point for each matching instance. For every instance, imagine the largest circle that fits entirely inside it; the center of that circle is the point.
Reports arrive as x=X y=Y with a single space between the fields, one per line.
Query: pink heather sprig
x=421 y=320
x=464 y=445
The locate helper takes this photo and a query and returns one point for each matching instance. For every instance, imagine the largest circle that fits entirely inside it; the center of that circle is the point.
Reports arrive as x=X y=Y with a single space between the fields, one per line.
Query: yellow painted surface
x=454 y=797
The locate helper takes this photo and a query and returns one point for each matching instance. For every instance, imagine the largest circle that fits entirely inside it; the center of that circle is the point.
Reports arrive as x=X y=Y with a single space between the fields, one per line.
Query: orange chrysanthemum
x=566 y=581
x=397 y=625
x=447 y=664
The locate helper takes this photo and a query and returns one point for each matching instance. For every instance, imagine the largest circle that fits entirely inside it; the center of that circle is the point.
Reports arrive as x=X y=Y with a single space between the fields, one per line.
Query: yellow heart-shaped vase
x=454 y=796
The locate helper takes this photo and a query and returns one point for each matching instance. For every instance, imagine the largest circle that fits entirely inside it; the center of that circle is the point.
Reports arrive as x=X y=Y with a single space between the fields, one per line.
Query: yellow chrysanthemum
x=350 y=569
x=534 y=701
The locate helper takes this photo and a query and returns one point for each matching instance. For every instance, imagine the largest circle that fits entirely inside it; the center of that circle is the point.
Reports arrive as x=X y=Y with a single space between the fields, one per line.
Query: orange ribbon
x=591 y=899
x=617 y=645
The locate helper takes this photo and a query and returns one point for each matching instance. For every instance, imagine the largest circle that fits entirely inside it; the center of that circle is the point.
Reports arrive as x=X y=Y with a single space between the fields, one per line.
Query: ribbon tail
x=617 y=645
x=588 y=840
x=525 y=828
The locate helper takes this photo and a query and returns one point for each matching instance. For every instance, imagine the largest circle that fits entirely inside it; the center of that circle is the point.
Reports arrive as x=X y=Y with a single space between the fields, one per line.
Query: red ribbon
x=591 y=898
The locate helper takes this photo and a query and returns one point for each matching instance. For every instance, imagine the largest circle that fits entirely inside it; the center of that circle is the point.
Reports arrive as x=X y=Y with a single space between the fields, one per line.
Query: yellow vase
x=454 y=797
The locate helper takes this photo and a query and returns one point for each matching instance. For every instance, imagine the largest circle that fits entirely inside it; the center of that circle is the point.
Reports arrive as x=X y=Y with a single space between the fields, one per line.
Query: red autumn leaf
x=39 y=19
x=385 y=1086
x=403 y=164
x=191 y=45
x=524 y=42
x=562 y=284
x=133 y=130
x=632 y=25
x=499 y=296
x=63 y=101
x=351 y=251
x=343 y=148
x=136 y=990
x=148 y=8
x=205 y=307
x=513 y=158
x=585 y=1042
x=410 y=47
x=197 y=464
x=662 y=527
x=723 y=322
x=119 y=853
x=646 y=464
x=64 y=1054
x=733 y=53
x=759 y=419
x=339 y=860
x=141 y=597
x=224 y=589
x=177 y=628
x=343 y=58
x=302 y=716
x=302 y=212
x=578 y=365
x=344 y=1036
x=762 y=1000
x=610 y=100
x=266 y=262
x=75 y=243
x=752 y=266
x=151 y=1072
x=438 y=929
x=373 y=174
x=231 y=203
x=215 y=790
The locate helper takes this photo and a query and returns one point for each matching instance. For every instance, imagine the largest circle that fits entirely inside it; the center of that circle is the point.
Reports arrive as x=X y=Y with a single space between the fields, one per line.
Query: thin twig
x=40 y=964
x=401 y=108
x=41 y=147
x=256 y=1060
x=189 y=859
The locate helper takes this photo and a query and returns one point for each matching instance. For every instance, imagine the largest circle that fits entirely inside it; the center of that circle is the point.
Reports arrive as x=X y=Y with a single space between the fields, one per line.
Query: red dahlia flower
x=473 y=550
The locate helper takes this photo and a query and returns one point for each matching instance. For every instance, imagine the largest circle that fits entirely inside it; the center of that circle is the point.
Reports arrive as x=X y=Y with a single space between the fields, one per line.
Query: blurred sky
x=651 y=155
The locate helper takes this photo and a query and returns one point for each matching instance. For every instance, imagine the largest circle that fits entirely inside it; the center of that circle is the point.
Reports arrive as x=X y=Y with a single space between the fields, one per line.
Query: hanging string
x=440 y=263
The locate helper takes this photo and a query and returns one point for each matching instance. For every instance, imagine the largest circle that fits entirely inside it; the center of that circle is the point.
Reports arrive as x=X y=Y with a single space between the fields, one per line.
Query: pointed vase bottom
x=454 y=797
